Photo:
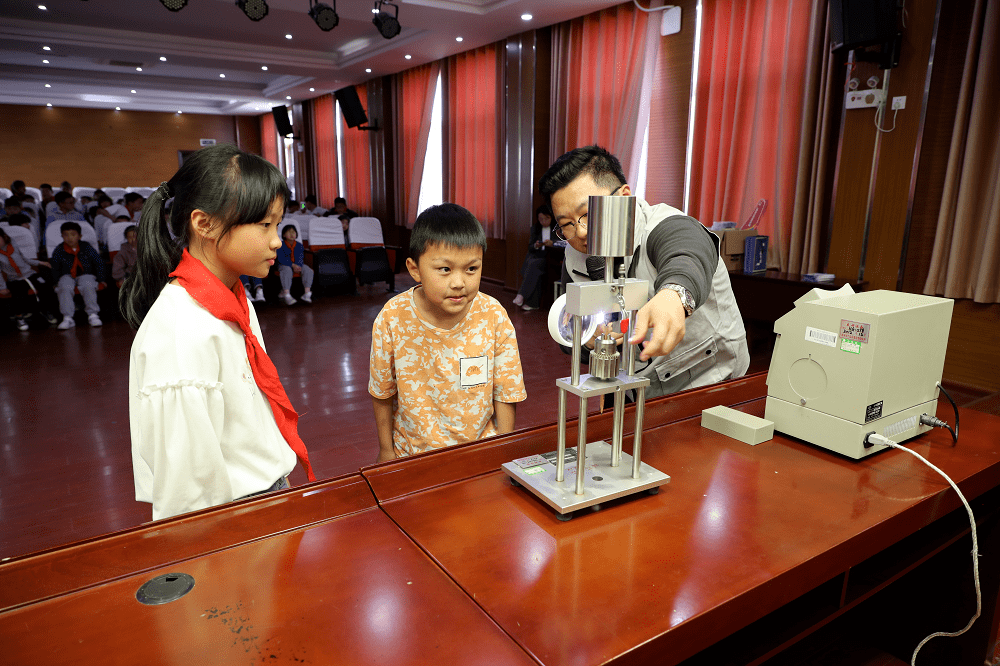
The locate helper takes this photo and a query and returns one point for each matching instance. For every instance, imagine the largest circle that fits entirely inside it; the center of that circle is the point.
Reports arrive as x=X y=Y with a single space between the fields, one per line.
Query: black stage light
x=387 y=24
x=254 y=9
x=324 y=15
x=174 y=5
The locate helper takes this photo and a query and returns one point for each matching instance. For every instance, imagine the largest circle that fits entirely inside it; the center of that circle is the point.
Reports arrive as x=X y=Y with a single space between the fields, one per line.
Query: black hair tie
x=164 y=190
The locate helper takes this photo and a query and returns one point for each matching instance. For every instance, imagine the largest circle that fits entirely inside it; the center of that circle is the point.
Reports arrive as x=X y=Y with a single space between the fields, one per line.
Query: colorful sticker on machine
x=854 y=330
x=828 y=338
x=850 y=346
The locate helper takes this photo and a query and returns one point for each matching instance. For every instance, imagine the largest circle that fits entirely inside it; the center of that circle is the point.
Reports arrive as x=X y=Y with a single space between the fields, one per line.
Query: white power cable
x=879 y=439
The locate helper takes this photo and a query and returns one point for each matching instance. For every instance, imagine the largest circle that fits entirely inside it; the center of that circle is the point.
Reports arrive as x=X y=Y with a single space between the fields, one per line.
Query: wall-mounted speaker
x=350 y=106
x=281 y=120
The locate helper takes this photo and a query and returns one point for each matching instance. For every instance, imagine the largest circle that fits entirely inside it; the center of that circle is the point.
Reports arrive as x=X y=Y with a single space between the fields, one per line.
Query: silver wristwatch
x=687 y=300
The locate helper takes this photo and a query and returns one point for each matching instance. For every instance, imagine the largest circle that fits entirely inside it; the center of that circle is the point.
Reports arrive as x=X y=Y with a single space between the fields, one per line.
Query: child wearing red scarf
x=209 y=419
x=76 y=265
x=291 y=262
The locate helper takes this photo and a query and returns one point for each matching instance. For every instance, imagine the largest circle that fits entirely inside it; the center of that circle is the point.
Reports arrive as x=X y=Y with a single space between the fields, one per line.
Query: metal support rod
x=619 y=427
x=561 y=438
x=640 y=410
x=630 y=349
x=609 y=270
x=577 y=335
x=581 y=446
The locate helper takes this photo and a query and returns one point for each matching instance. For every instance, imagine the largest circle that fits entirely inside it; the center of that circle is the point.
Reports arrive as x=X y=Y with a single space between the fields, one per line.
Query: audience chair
x=5 y=193
x=84 y=192
x=53 y=236
x=371 y=258
x=24 y=240
x=35 y=192
x=116 y=236
x=301 y=225
x=146 y=192
x=330 y=264
x=101 y=225
x=51 y=208
x=116 y=193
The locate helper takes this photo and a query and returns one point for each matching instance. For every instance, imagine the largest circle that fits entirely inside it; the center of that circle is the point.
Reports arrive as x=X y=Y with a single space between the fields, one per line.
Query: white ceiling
x=96 y=47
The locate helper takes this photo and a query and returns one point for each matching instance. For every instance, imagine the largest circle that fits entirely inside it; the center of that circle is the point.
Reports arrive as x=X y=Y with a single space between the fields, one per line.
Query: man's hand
x=665 y=314
x=547 y=243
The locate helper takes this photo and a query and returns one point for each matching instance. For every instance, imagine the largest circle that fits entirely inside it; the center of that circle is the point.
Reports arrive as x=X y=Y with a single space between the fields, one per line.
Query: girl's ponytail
x=158 y=255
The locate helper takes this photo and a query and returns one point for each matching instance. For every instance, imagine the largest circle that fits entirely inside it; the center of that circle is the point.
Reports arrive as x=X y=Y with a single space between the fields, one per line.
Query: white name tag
x=474 y=371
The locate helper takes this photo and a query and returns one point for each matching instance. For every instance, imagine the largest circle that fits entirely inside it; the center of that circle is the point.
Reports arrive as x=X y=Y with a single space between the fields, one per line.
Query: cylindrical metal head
x=610 y=226
x=604 y=358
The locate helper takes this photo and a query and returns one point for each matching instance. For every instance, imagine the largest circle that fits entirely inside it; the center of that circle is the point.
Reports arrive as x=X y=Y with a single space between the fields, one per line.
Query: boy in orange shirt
x=445 y=367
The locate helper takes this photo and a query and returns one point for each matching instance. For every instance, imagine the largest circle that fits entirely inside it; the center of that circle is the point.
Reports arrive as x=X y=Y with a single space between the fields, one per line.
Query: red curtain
x=748 y=115
x=598 y=65
x=357 y=162
x=473 y=135
x=269 y=138
x=413 y=101
x=325 y=136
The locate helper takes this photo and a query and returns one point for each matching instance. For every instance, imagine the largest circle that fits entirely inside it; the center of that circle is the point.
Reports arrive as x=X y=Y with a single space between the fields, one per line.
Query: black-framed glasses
x=567 y=230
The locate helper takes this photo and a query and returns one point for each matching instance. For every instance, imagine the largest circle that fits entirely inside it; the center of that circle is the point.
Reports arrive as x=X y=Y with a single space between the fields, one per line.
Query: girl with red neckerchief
x=209 y=419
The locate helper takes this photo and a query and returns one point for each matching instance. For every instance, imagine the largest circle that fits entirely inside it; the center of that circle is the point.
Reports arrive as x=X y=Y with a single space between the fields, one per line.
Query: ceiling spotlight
x=458 y=39
x=42 y=7
x=288 y=36
x=407 y=56
x=47 y=85
x=526 y=17
x=118 y=108
x=288 y=96
x=174 y=5
x=387 y=24
x=179 y=112
x=324 y=15
x=133 y=92
x=368 y=70
x=45 y=62
x=312 y=90
x=254 y=9
x=49 y=104
x=163 y=58
x=222 y=76
x=46 y=48
x=264 y=67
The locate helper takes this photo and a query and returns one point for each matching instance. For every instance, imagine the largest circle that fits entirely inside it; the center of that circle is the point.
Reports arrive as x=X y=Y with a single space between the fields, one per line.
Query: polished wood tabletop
x=350 y=589
x=739 y=532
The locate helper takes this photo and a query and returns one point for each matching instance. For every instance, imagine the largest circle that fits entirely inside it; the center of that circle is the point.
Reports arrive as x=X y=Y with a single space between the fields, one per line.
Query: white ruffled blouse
x=202 y=431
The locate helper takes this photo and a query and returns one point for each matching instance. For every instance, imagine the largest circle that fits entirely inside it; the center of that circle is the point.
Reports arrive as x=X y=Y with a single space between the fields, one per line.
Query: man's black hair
x=61 y=196
x=340 y=200
x=310 y=199
x=70 y=226
x=66 y=185
x=16 y=185
x=44 y=185
x=102 y=198
x=18 y=219
x=12 y=201
x=601 y=165
x=132 y=196
x=447 y=224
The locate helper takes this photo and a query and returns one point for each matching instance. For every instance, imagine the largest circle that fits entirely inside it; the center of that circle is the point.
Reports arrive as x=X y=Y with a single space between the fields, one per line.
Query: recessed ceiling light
x=312 y=90
x=407 y=56
x=526 y=17
x=118 y=108
x=288 y=36
x=288 y=96
x=46 y=48
x=42 y=7
x=133 y=92
x=222 y=76
x=138 y=69
x=368 y=70
x=163 y=58
x=47 y=85
x=264 y=67
x=49 y=104
x=179 y=112
x=45 y=62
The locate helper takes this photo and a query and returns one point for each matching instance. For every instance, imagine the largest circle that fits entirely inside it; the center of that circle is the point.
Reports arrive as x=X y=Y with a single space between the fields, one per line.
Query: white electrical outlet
x=898 y=103
x=863 y=99
x=670 y=24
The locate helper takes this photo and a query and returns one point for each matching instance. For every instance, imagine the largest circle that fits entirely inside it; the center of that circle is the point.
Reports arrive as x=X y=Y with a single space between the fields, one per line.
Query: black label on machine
x=873 y=411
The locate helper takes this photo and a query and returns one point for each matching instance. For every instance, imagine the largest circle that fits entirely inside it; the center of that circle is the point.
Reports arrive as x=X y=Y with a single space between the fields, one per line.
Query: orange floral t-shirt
x=445 y=381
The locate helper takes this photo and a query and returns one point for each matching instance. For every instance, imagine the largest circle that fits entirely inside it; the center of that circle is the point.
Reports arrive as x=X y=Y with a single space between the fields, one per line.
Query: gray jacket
x=714 y=347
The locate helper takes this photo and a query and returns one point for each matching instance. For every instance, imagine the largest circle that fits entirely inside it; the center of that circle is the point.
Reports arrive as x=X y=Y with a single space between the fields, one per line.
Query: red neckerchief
x=75 y=251
x=9 y=251
x=291 y=244
x=231 y=305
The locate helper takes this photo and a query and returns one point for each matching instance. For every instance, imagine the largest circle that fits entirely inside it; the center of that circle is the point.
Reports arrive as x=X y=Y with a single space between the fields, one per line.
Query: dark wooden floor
x=66 y=471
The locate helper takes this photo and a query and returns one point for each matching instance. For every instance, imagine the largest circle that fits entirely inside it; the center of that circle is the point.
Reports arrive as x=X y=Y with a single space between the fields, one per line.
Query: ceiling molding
x=478 y=7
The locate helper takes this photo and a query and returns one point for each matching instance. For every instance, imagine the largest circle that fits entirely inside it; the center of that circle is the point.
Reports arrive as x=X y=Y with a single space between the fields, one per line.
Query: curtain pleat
x=269 y=138
x=749 y=113
x=473 y=135
x=357 y=162
x=414 y=101
x=325 y=136
x=597 y=95
x=965 y=262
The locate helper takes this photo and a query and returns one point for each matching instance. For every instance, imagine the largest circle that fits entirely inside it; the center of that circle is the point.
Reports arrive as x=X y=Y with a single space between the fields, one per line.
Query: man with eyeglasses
x=696 y=334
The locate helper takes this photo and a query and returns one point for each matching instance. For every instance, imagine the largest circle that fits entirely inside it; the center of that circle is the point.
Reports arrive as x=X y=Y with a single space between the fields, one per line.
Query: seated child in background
x=18 y=281
x=109 y=209
x=65 y=210
x=445 y=367
x=76 y=265
x=124 y=262
x=291 y=262
x=253 y=287
x=11 y=207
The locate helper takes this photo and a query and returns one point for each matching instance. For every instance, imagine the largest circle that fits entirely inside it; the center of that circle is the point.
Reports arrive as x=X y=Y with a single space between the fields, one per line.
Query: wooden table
x=747 y=553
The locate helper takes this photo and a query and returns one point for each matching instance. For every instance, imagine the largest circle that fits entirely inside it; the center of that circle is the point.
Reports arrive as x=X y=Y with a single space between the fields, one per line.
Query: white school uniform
x=203 y=433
